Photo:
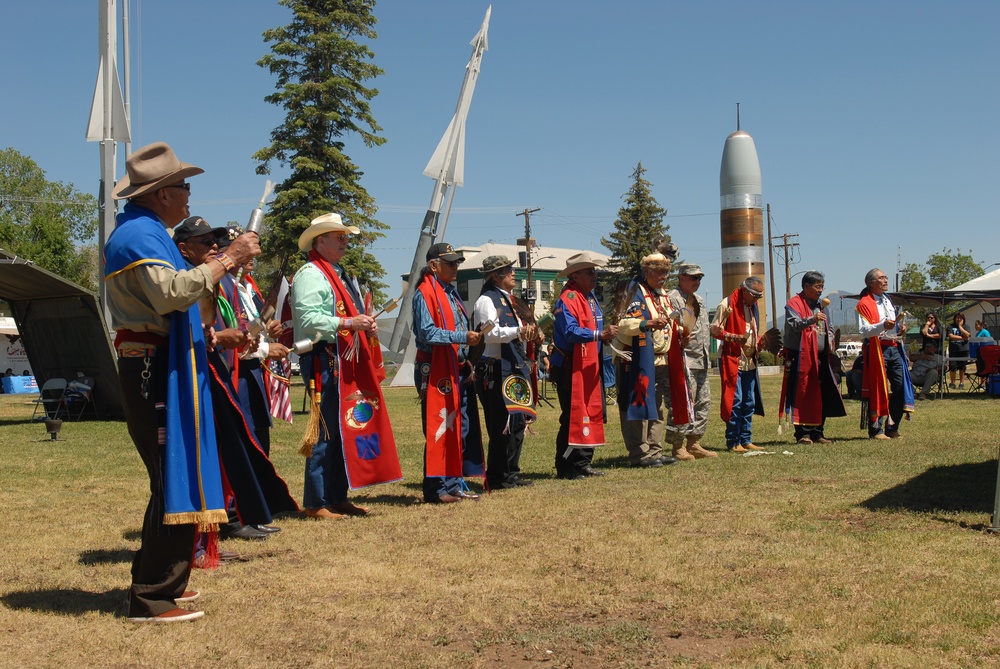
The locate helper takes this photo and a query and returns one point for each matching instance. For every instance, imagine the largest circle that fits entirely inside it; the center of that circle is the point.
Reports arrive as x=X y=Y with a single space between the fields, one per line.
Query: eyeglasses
x=450 y=263
x=694 y=278
x=506 y=271
x=342 y=237
x=185 y=185
x=207 y=242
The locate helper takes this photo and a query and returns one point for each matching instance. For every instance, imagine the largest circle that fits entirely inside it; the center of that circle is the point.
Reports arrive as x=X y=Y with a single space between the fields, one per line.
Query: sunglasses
x=506 y=271
x=185 y=185
x=206 y=241
x=449 y=263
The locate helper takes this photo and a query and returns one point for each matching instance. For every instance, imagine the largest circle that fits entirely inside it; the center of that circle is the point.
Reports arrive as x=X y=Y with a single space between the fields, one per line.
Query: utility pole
x=770 y=256
x=899 y=251
x=787 y=245
x=528 y=243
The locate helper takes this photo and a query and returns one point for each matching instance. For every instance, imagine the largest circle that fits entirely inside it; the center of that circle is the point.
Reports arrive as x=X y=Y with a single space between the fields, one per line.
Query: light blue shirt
x=313 y=305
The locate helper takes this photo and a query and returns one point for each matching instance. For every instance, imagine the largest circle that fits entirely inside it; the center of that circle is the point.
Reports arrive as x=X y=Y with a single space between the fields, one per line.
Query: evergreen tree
x=322 y=61
x=639 y=224
x=48 y=222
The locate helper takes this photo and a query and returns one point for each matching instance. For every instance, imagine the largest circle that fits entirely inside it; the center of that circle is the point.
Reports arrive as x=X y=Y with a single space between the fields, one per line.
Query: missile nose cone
x=740 y=171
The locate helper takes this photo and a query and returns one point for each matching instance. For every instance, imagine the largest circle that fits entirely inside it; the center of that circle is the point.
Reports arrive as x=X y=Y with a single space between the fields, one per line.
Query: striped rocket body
x=742 y=215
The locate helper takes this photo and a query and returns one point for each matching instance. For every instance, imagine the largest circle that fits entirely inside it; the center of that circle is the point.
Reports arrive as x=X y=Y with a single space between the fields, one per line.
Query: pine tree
x=638 y=226
x=322 y=64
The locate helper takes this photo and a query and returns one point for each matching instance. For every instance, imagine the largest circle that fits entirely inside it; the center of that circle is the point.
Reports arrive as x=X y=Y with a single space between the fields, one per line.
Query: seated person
x=854 y=379
x=926 y=370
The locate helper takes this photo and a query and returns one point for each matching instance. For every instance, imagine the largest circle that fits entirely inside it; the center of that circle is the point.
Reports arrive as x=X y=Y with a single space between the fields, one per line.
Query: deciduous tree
x=48 y=222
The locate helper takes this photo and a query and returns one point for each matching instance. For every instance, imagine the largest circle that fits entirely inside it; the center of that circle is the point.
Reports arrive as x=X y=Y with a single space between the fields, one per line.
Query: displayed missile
x=741 y=216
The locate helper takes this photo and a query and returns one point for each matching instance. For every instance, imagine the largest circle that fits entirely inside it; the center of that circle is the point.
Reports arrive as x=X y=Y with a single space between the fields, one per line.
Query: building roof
x=543 y=259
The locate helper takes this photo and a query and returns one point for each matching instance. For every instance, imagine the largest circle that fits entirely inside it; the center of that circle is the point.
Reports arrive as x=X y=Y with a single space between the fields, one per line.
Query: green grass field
x=859 y=554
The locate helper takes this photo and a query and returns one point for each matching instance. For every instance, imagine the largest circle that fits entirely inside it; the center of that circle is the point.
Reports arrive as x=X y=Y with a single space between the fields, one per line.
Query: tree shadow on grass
x=68 y=602
x=107 y=556
x=968 y=487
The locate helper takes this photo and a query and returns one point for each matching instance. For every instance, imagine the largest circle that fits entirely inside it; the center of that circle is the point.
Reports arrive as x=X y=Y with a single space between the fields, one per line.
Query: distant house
x=546 y=263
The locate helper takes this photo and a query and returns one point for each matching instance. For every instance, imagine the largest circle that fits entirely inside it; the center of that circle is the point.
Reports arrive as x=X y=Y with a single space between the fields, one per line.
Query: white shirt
x=484 y=311
x=885 y=311
x=251 y=310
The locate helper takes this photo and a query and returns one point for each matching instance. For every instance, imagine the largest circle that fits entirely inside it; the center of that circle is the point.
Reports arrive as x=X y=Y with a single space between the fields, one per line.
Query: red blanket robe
x=365 y=432
x=443 y=443
x=586 y=411
x=807 y=405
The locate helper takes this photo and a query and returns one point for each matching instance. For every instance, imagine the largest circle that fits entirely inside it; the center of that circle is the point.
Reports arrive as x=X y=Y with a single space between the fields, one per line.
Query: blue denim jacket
x=427 y=334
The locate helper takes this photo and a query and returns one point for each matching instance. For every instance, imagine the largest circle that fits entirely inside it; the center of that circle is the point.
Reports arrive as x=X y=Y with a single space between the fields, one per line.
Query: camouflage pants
x=701 y=398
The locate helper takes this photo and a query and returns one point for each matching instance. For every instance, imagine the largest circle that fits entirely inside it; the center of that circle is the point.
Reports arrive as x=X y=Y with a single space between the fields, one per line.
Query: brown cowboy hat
x=151 y=168
x=583 y=260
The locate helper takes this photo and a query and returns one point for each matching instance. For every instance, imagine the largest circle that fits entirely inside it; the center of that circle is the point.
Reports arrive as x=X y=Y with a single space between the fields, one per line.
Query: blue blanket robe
x=192 y=480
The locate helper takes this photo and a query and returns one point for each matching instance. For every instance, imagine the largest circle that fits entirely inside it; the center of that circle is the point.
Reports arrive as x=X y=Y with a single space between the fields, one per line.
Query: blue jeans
x=894 y=375
x=326 y=472
x=740 y=424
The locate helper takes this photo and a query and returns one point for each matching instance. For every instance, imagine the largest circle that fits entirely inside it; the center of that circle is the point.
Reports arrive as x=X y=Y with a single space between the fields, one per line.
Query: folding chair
x=50 y=399
x=987 y=364
x=78 y=397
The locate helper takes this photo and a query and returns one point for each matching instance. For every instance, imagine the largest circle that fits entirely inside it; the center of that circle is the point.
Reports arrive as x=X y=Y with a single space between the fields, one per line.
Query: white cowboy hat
x=321 y=225
x=151 y=168
x=582 y=260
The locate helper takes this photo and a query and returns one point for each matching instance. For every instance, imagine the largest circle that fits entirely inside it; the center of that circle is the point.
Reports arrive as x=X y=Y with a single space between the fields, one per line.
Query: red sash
x=365 y=432
x=875 y=383
x=729 y=361
x=807 y=405
x=680 y=397
x=443 y=443
x=586 y=408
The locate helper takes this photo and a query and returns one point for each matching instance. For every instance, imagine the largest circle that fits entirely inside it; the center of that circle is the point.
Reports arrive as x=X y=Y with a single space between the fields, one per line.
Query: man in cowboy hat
x=503 y=373
x=153 y=302
x=575 y=367
x=685 y=299
x=453 y=445
x=355 y=447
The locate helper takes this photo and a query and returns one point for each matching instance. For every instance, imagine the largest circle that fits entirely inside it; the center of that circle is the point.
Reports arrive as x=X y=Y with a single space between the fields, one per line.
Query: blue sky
x=875 y=122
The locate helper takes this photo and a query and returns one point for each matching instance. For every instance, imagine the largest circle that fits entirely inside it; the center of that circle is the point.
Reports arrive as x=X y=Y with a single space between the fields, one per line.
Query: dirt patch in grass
x=608 y=642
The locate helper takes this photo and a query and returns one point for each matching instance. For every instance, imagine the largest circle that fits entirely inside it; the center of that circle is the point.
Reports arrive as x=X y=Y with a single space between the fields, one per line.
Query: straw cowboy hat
x=151 y=168
x=321 y=225
x=582 y=260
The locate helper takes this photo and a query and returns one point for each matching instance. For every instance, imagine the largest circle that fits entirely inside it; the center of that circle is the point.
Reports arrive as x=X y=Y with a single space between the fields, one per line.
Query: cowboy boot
x=695 y=449
x=681 y=453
